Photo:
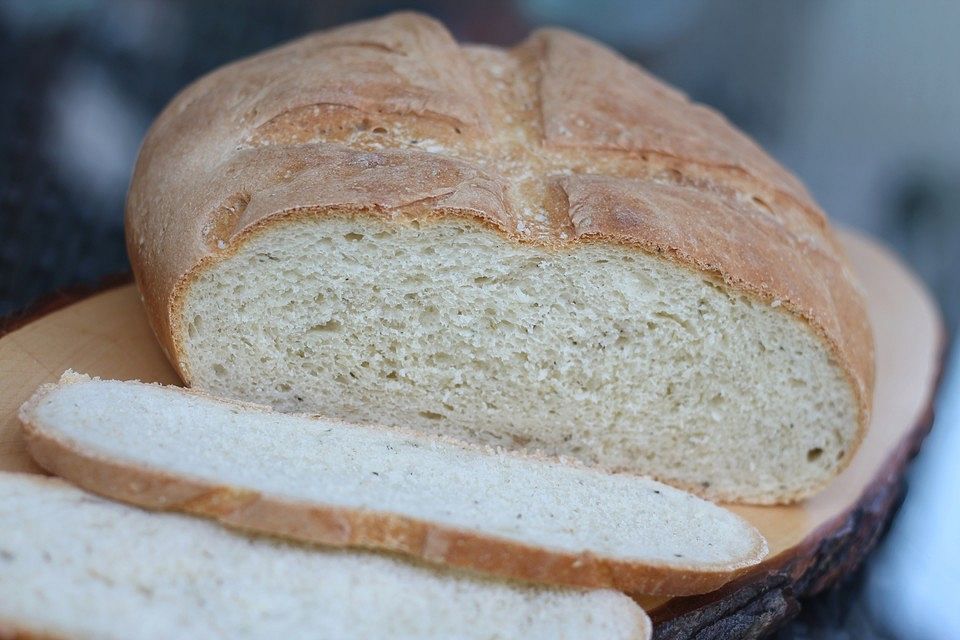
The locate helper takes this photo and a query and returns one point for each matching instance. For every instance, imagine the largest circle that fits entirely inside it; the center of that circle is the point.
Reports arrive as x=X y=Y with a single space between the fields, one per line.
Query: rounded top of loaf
x=556 y=141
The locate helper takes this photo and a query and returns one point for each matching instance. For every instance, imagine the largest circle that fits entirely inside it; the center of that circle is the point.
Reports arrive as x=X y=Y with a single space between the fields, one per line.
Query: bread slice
x=539 y=248
x=317 y=480
x=76 y=566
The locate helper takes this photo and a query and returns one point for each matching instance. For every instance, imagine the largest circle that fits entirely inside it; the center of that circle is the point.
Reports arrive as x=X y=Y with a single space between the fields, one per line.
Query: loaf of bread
x=317 y=480
x=76 y=566
x=539 y=248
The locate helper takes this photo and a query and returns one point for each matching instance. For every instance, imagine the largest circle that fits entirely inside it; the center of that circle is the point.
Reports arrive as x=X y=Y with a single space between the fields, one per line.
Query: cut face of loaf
x=445 y=328
x=76 y=566
x=541 y=248
x=317 y=480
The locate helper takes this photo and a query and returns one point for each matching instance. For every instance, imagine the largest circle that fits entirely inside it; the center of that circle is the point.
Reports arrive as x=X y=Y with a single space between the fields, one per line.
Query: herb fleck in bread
x=76 y=566
x=540 y=247
x=321 y=481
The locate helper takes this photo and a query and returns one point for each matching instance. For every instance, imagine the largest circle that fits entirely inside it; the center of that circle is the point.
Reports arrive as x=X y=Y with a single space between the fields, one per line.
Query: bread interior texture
x=80 y=567
x=335 y=465
x=603 y=353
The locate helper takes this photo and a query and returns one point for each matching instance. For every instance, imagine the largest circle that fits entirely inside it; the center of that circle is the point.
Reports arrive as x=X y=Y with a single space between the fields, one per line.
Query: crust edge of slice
x=331 y=525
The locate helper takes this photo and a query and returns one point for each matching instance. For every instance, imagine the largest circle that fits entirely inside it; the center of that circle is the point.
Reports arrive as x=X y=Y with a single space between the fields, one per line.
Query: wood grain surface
x=812 y=543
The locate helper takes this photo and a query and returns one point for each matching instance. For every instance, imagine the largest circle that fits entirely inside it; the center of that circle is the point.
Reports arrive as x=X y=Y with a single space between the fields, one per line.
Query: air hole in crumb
x=814 y=454
x=329 y=325
x=431 y=415
x=353 y=237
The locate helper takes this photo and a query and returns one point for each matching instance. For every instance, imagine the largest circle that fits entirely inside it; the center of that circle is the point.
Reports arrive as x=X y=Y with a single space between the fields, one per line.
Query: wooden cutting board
x=812 y=544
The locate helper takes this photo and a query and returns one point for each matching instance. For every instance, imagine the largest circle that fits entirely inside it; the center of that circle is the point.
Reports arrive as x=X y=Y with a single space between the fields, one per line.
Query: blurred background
x=860 y=98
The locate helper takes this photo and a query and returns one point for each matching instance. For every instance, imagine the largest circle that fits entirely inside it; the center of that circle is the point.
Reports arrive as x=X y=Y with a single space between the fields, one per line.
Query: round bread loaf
x=541 y=247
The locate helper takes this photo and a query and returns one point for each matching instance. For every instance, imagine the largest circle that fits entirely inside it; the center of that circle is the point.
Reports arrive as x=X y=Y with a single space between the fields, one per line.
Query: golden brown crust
x=344 y=527
x=557 y=141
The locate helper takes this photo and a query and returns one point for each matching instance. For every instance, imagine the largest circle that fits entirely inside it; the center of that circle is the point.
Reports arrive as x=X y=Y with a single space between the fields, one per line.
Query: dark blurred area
x=860 y=98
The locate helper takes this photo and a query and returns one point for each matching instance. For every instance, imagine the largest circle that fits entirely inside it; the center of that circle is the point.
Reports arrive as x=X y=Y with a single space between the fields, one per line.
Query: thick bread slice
x=76 y=566
x=541 y=247
x=318 y=480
